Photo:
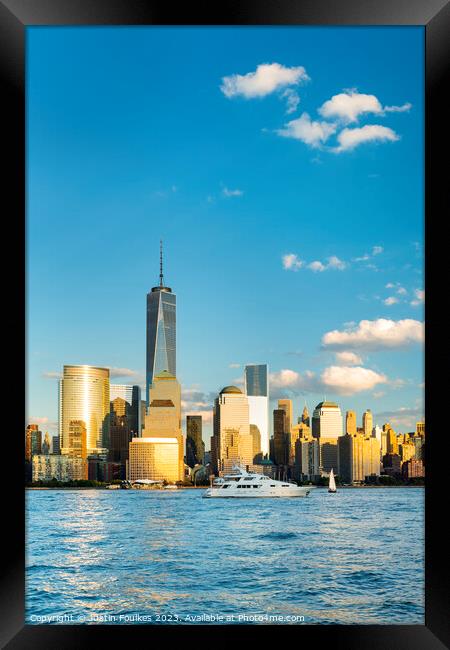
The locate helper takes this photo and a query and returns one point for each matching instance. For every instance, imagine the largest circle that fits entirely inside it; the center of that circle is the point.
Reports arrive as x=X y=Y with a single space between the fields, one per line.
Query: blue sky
x=289 y=198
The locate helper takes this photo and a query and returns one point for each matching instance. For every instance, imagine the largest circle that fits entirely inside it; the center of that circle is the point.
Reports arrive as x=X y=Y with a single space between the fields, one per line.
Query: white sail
x=332 y=482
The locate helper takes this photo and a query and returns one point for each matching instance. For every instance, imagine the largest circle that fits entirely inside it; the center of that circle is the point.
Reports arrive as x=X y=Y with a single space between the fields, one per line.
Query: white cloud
x=402 y=417
x=310 y=132
x=346 y=380
x=316 y=266
x=229 y=193
x=348 y=106
x=292 y=100
x=52 y=375
x=267 y=78
x=116 y=373
x=419 y=297
x=291 y=262
x=346 y=358
x=234 y=365
x=376 y=335
x=335 y=263
x=377 y=250
x=341 y=380
x=364 y=258
x=350 y=138
x=398 y=109
x=379 y=394
x=392 y=300
x=33 y=419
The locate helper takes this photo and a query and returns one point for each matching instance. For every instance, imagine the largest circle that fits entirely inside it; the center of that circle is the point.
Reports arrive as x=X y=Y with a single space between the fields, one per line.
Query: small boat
x=241 y=484
x=332 y=482
x=170 y=487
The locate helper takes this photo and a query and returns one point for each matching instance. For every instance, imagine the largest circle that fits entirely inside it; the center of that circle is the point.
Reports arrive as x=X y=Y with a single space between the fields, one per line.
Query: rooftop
x=231 y=389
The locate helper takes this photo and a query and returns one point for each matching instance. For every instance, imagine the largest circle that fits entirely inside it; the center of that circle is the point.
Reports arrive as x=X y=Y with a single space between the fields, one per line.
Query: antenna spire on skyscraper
x=161 y=283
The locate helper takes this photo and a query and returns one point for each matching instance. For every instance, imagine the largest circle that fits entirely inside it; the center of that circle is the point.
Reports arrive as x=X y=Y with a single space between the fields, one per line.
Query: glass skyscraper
x=161 y=331
x=257 y=389
x=132 y=396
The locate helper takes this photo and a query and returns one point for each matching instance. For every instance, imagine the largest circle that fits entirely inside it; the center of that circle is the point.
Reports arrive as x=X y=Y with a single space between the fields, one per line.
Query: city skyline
x=344 y=313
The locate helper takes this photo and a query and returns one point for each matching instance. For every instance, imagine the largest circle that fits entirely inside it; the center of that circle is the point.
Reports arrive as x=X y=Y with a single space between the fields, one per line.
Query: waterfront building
x=231 y=431
x=377 y=433
x=407 y=450
x=159 y=453
x=307 y=466
x=391 y=464
x=286 y=406
x=256 y=440
x=105 y=471
x=257 y=390
x=413 y=468
x=367 y=422
x=143 y=413
x=419 y=446
x=131 y=395
x=46 y=444
x=195 y=447
x=299 y=431
x=62 y=468
x=84 y=396
x=327 y=428
x=120 y=431
x=358 y=457
x=161 y=331
x=281 y=438
x=350 y=423
x=33 y=441
x=391 y=439
x=56 y=448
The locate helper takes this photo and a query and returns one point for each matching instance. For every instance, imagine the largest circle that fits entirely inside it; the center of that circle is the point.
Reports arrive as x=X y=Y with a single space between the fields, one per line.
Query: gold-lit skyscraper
x=158 y=454
x=286 y=406
x=84 y=395
x=350 y=423
x=232 y=442
x=367 y=422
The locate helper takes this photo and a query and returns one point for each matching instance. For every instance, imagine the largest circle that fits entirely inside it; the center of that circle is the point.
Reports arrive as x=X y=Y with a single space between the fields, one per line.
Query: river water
x=354 y=557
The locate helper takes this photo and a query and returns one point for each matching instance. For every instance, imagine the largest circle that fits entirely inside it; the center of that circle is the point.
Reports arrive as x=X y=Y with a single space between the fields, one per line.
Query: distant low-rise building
x=62 y=468
x=413 y=468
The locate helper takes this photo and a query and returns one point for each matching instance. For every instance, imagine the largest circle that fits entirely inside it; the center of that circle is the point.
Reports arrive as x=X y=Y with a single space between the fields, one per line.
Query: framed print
x=228 y=225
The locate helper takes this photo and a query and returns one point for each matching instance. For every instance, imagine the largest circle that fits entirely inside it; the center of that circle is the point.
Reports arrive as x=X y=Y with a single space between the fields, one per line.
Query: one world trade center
x=161 y=330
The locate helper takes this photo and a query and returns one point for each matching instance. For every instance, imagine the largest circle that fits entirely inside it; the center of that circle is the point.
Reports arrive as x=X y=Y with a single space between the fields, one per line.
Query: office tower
x=391 y=464
x=46 y=444
x=377 y=433
x=256 y=440
x=286 y=405
x=158 y=454
x=367 y=422
x=33 y=441
x=391 y=439
x=161 y=331
x=350 y=423
x=327 y=428
x=305 y=416
x=420 y=429
x=257 y=390
x=406 y=450
x=56 y=449
x=231 y=430
x=120 y=430
x=195 y=447
x=143 y=413
x=358 y=457
x=299 y=431
x=84 y=395
x=307 y=465
x=281 y=437
x=132 y=396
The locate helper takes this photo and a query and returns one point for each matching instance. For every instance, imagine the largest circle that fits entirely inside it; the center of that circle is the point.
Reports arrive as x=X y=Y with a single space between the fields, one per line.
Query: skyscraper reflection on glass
x=161 y=331
x=257 y=389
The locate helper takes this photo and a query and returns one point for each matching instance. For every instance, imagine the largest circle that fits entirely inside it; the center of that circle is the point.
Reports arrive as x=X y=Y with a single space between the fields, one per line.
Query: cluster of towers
x=107 y=431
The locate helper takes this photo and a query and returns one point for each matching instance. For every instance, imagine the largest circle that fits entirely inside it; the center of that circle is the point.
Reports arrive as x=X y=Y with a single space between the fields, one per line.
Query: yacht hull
x=212 y=493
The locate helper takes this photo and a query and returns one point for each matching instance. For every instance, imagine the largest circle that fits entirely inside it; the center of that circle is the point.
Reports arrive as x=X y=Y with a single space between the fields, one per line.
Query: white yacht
x=249 y=484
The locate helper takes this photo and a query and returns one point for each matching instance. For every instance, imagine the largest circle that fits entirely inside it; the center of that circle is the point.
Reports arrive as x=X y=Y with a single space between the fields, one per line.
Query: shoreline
x=204 y=487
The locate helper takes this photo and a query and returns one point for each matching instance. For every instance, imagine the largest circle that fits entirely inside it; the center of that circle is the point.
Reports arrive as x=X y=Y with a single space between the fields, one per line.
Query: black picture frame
x=434 y=15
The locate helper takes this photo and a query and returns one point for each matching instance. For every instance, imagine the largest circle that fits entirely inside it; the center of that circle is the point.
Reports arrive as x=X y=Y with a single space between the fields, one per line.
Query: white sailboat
x=332 y=482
